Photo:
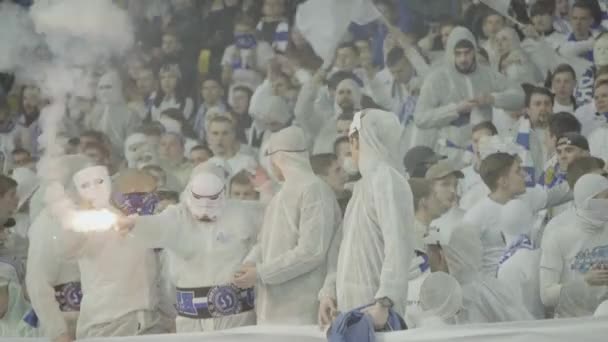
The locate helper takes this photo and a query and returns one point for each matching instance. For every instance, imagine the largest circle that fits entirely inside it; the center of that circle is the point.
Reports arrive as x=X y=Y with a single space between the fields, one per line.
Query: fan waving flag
x=523 y=139
x=325 y=22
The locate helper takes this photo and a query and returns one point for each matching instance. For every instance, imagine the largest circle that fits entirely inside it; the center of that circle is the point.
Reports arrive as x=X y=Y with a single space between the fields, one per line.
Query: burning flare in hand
x=93 y=220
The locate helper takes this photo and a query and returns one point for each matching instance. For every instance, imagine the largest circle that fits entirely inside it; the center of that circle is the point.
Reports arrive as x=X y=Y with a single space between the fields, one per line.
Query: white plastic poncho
x=12 y=323
x=203 y=254
x=377 y=245
x=46 y=267
x=575 y=248
x=445 y=88
x=486 y=300
x=440 y=300
x=299 y=224
x=112 y=115
x=118 y=275
x=520 y=263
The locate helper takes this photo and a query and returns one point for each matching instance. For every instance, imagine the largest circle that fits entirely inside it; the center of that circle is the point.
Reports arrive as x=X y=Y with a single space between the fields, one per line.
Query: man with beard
x=318 y=121
x=462 y=92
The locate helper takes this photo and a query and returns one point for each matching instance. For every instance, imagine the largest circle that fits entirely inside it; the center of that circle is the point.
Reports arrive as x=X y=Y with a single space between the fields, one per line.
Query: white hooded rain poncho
x=572 y=250
x=12 y=324
x=111 y=115
x=440 y=300
x=519 y=265
x=516 y=64
x=299 y=224
x=47 y=269
x=446 y=87
x=204 y=255
x=377 y=246
x=485 y=299
x=118 y=275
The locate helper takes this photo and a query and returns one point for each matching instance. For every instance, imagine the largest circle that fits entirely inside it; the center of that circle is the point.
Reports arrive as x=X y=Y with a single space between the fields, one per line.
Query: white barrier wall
x=566 y=330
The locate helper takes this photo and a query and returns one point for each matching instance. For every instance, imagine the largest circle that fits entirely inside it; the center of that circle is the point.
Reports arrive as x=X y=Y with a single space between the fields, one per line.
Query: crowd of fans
x=444 y=169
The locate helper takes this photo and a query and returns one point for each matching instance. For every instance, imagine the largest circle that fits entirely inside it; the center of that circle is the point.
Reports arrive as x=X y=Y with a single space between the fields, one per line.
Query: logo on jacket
x=587 y=258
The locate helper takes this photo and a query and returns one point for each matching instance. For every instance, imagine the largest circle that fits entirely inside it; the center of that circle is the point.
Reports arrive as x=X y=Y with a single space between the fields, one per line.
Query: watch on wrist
x=385 y=302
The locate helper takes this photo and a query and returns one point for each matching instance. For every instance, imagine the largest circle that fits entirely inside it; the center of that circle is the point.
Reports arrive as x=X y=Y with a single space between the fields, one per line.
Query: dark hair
x=562 y=68
x=151 y=128
x=542 y=8
x=348 y=45
x=202 y=148
x=321 y=162
x=97 y=135
x=591 y=6
x=485 y=125
x=495 y=166
x=340 y=140
x=582 y=166
x=394 y=56
x=464 y=44
x=337 y=77
x=241 y=178
x=101 y=148
x=563 y=122
x=164 y=195
x=212 y=77
x=180 y=92
x=533 y=90
x=6 y=184
x=243 y=89
x=603 y=70
x=20 y=150
x=421 y=188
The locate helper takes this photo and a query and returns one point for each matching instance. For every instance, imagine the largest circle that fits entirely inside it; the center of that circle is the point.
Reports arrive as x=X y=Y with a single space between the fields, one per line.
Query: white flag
x=325 y=22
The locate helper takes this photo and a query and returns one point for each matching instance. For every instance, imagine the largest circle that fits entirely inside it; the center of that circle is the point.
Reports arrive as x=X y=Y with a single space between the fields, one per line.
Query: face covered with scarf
x=135 y=193
x=591 y=200
x=206 y=196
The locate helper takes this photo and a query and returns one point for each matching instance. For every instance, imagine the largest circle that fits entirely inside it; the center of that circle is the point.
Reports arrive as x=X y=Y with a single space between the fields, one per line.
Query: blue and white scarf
x=522 y=242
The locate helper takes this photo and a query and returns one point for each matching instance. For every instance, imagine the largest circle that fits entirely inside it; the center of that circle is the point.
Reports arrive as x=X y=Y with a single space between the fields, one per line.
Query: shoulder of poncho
x=384 y=175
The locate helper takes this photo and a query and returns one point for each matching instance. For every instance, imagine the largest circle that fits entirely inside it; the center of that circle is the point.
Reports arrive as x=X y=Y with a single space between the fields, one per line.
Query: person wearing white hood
x=518 y=266
x=118 y=275
x=112 y=115
x=462 y=92
x=440 y=300
x=270 y=115
x=13 y=305
x=377 y=246
x=207 y=238
x=485 y=299
x=288 y=265
x=573 y=274
x=53 y=283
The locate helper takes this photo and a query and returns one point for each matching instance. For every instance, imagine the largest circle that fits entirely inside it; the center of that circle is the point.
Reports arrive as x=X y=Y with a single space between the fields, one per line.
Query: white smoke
x=17 y=36
x=58 y=44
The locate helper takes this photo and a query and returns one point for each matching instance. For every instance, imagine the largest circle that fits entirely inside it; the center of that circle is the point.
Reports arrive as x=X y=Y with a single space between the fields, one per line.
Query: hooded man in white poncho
x=573 y=275
x=288 y=265
x=207 y=238
x=462 y=92
x=377 y=243
x=111 y=115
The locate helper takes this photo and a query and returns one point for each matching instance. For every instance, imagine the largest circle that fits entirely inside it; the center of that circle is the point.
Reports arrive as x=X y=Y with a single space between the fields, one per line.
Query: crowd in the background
x=443 y=170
